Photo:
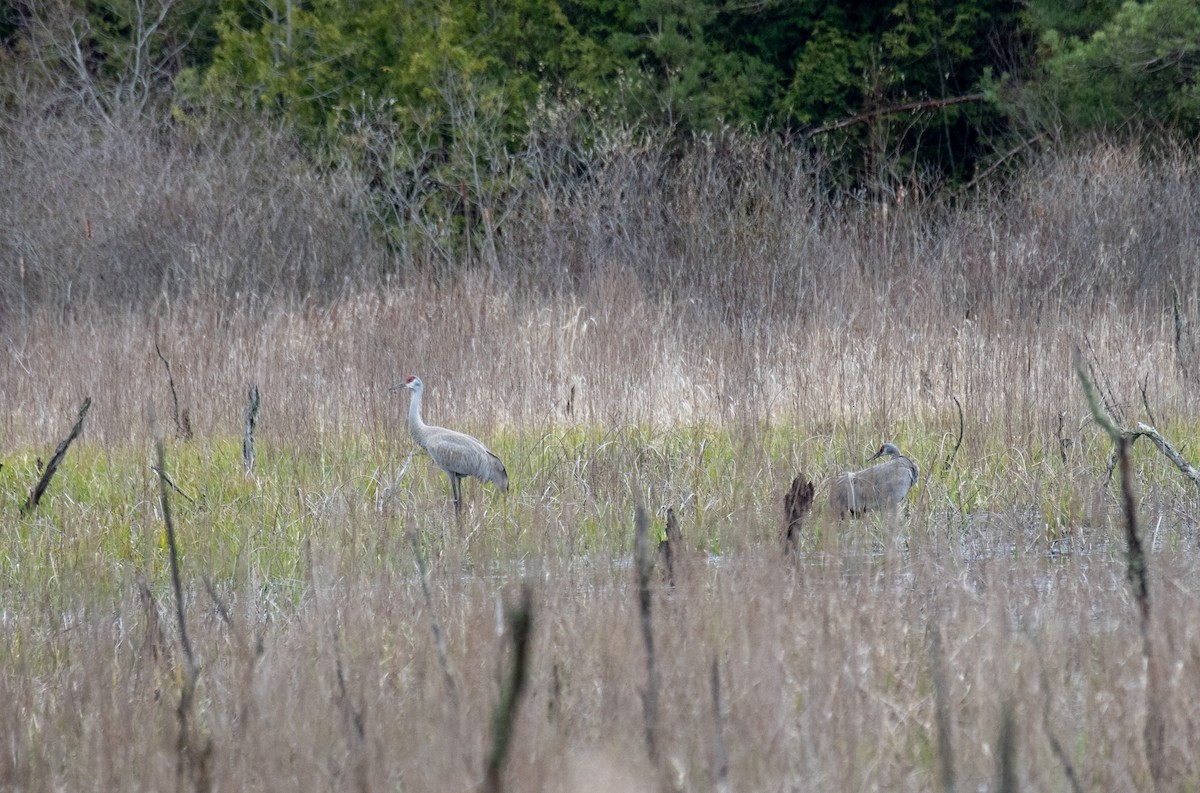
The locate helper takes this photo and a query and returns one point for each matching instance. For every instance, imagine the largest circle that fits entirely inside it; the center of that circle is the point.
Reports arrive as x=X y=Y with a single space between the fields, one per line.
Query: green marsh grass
x=825 y=665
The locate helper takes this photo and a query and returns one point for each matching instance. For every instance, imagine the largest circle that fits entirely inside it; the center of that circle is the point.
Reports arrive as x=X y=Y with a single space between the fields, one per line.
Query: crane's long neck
x=416 y=425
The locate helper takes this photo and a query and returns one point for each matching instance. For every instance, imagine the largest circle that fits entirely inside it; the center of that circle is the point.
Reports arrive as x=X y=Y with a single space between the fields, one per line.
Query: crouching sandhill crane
x=881 y=486
x=456 y=453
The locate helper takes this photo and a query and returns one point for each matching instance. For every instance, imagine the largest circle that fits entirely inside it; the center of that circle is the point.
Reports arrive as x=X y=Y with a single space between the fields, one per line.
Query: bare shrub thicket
x=121 y=217
x=728 y=228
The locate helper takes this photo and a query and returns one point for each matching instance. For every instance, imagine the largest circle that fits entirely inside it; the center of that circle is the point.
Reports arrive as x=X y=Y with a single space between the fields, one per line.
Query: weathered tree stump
x=796 y=504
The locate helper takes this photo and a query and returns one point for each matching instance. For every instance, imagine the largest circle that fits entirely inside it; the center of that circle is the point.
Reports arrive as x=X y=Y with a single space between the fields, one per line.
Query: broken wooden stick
x=35 y=495
x=193 y=749
x=671 y=548
x=644 y=562
x=248 y=437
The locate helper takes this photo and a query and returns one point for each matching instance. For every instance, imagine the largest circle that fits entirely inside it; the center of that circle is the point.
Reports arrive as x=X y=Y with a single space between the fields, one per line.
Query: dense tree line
x=924 y=89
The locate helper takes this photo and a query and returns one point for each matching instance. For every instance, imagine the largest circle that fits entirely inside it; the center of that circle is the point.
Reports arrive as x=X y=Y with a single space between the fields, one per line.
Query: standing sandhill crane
x=881 y=486
x=456 y=453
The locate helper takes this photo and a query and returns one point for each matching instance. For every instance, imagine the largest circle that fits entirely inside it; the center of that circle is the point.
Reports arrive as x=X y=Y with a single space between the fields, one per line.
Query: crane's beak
x=399 y=387
x=877 y=454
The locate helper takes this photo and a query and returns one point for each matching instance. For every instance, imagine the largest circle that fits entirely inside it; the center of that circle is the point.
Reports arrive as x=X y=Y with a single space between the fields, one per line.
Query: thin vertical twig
x=1136 y=571
x=1135 y=557
x=182 y=426
x=720 y=753
x=1006 y=751
x=1182 y=334
x=173 y=555
x=957 y=443
x=941 y=701
x=439 y=643
x=1063 y=441
x=1107 y=398
x=352 y=715
x=1055 y=745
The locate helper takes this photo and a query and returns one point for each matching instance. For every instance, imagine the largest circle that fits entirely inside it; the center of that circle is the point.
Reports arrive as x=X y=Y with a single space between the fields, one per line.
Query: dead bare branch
x=908 y=107
x=1187 y=469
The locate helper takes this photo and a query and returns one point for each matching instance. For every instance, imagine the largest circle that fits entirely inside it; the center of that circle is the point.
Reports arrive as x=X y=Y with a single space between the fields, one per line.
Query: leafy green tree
x=1134 y=71
x=869 y=59
x=688 y=64
x=311 y=62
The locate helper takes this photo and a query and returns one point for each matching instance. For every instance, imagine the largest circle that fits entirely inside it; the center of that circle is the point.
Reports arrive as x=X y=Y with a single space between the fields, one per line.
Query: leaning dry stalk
x=1006 y=751
x=720 y=753
x=520 y=621
x=941 y=700
x=958 y=442
x=194 y=755
x=1056 y=746
x=439 y=643
x=352 y=714
x=1182 y=333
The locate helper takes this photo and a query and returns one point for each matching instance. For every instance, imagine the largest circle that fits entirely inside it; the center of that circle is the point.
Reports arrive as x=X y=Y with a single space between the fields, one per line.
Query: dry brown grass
x=826 y=675
x=612 y=358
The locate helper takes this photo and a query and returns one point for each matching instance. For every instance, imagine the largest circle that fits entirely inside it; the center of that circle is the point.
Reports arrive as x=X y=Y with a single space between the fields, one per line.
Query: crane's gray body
x=456 y=453
x=881 y=486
